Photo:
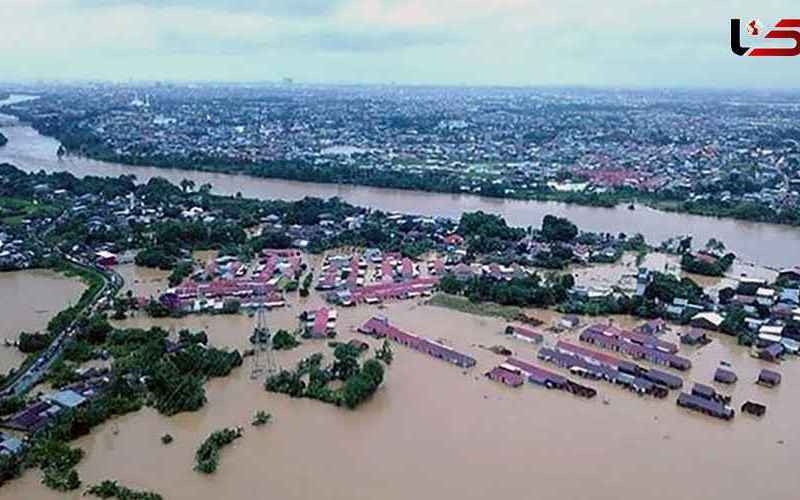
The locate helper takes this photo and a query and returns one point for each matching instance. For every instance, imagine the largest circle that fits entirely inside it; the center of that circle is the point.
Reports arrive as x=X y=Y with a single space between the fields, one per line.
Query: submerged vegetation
x=261 y=418
x=147 y=369
x=112 y=489
x=284 y=341
x=207 y=456
x=310 y=379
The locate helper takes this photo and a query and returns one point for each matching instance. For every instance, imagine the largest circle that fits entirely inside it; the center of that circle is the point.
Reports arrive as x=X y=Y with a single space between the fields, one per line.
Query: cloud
x=287 y=8
x=523 y=42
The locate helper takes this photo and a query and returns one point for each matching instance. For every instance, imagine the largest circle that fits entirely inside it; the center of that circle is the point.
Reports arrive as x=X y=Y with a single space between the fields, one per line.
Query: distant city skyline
x=617 y=43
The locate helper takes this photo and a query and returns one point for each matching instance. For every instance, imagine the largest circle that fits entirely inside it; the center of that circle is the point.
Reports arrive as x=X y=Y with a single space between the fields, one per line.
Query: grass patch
x=464 y=305
x=14 y=210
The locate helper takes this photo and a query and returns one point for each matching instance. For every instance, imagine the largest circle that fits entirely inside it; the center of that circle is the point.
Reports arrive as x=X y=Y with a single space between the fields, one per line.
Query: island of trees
x=208 y=454
x=311 y=379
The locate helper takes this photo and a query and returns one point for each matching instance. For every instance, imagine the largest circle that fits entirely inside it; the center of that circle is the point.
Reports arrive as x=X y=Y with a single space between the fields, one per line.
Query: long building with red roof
x=380 y=327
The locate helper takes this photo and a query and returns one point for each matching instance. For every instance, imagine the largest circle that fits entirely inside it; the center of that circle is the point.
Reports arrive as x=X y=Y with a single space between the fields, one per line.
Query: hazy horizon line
x=344 y=83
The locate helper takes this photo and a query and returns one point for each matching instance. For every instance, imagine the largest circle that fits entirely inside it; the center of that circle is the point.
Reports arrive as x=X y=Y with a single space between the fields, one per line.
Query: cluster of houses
x=777 y=333
x=346 y=280
x=513 y=372
x=38 y=414
x=635 y=344
x=598 y=366
x=772 y=315
x=15 y=252
x=706 y=400
x=226 y=279
x=782 y=302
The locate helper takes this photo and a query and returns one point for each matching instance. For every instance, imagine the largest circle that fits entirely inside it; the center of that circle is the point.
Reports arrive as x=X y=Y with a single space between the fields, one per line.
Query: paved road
x=112 y=283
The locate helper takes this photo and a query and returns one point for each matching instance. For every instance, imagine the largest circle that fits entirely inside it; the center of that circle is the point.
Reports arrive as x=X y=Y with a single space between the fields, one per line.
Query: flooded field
x=29 y=300
x=437 y=431
x=142 y=281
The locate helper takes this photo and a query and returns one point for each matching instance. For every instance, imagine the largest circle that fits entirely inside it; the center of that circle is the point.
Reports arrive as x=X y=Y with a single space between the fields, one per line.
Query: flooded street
x=767 y=244
x=436 y=431
x=29 y=300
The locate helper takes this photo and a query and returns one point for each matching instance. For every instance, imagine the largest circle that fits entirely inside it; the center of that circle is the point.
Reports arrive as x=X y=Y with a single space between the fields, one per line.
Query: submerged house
x=754 y=408
x=652 y=327
x=772 y=353
x=32 y=418
x=623 y=366
x=706 y=406
x=379 y=327
x=507 y=374
x=769 y=378
x=642 y=339
x=582 y=368
x=525 y=334
x=607 y=339
x=394 y=290
x=695 y=336
x=569 y=321
x=708 y=392
x=550 y=380
x=707 y=320
x=724 y=376
x=321 y=323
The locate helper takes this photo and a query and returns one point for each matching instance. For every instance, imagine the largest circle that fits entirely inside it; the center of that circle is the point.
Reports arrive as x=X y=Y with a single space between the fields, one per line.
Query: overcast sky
x=650 y=43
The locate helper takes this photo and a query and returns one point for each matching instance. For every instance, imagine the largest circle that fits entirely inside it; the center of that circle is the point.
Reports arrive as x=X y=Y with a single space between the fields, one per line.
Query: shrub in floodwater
x=112 y=489
x=207 y=456
x=261 y=418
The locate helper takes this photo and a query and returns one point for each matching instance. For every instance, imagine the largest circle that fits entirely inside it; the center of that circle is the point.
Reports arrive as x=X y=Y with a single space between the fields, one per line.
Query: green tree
x=558 y=229
x=346 y=361
x=373 y=370
x=385 y=353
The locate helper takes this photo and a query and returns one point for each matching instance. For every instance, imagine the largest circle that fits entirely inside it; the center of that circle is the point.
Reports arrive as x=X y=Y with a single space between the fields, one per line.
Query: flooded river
x=768 y=244
x=29 y=300
x=437 y=431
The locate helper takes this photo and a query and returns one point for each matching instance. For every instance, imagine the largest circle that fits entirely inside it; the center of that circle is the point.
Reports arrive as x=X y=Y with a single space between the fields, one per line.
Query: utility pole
x=263 y=355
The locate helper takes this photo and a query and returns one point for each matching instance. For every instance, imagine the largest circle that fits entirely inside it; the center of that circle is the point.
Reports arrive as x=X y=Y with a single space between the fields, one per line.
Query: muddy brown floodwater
x=29 y=300
x=436 y=431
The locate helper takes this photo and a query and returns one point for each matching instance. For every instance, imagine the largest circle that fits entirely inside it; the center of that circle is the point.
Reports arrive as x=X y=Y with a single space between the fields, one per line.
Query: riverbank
x=434 y=183
x=31 y=152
